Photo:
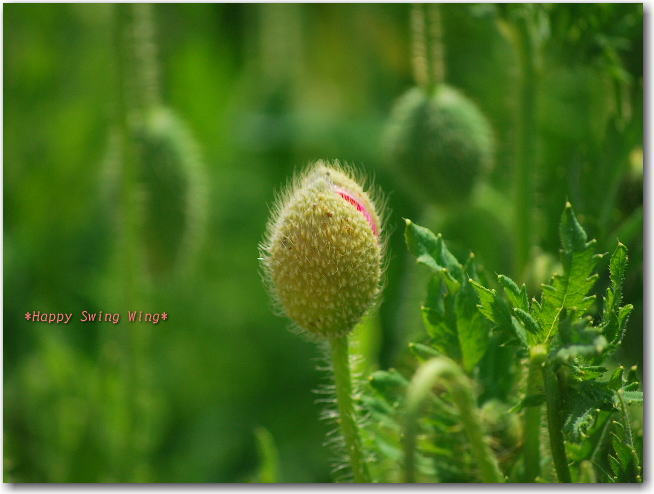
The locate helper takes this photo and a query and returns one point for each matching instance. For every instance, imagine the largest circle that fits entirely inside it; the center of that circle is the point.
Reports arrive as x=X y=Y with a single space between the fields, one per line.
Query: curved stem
x=343 y=383
x=441 y=369
x=554 y=425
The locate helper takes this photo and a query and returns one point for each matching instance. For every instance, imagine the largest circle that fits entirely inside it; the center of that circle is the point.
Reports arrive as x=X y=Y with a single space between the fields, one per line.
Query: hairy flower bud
x=439 y=141
x=322 y=255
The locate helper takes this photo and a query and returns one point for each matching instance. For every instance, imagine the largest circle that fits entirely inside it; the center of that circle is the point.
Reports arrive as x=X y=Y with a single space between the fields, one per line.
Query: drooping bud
x=322 y=255
x=438 y=142
x=170 y=176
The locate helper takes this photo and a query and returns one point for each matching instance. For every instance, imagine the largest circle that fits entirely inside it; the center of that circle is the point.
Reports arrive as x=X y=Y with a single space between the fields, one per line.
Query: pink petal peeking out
x=360 y=207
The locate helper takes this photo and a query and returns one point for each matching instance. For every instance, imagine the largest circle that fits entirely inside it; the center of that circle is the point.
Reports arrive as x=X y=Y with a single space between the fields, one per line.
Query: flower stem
x=420 y=55
x=346 y=419
x=554 y=425
x=532 y=416
x=441 y=369
x=526 y=155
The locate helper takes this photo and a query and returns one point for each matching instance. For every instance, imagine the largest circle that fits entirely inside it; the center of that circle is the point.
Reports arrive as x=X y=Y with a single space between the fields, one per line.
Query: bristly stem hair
x=554 y=423
x=428 y=55
x=346 y=418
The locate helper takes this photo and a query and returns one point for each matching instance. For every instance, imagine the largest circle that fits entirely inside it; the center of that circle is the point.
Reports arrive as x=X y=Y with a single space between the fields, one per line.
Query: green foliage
x=456 y=328
x=589 y=422
x=578 y=346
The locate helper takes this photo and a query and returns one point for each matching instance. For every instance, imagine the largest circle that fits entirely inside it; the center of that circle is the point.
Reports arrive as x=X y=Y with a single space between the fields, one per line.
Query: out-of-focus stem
x=444 y=370
x=436 y=43
x=420 y=54
x=145 y=54
x=526 y=152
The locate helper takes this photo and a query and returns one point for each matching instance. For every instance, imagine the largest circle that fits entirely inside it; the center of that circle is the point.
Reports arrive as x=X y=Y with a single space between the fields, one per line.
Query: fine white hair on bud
x=323 y=250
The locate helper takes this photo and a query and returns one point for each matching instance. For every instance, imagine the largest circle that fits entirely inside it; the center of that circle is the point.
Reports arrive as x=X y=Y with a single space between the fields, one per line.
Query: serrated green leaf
x=615 y=465
x=472 y=328
x=439 y=318
x=633 y=396
x=430 y=250
x=573 y=236
x=497 y=310
x=614 y=317
x=571 y=352
x=569 y=291
x=617 y=270
x=528 y=322
x=517 y=296
x=615 y=381
x=588 y=398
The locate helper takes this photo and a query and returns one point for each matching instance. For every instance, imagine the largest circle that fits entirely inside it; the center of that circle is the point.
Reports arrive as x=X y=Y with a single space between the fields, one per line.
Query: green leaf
x=388 y=384
x=573 y=236
x=497 y=310
x=517 y=296
x=569 y=291
x=614 y=317
x=633 y=396
x=571 y=352
x=530 y=324
x=268 y=457
x=440 y=320
x=617 y=270
x=423 y=352
x=473 y=329
x=430 y=250
x=588 y=398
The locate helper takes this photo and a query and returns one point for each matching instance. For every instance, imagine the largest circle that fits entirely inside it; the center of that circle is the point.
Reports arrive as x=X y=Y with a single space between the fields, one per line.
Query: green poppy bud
x=322 y=256
x=440 y=142
x=170 y=176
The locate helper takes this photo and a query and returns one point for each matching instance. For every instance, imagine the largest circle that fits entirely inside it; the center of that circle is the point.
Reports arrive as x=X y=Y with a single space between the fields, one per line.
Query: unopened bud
x=322 y=256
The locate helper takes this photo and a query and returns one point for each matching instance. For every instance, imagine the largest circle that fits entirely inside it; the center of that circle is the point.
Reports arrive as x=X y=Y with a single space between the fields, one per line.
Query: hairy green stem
x=444 y=370
x=346 y=418
x=145 y=54
x=420 y=54
x=428 y=55
x=533 y=415
x=554 y=424
x=437 y=51
x=629 y=436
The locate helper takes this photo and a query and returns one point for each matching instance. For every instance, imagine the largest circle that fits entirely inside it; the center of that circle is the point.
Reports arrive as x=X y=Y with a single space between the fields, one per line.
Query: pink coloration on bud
x=360 y=207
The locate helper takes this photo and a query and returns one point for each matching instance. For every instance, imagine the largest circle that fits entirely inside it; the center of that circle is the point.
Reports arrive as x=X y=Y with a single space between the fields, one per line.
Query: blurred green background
x=264 y=89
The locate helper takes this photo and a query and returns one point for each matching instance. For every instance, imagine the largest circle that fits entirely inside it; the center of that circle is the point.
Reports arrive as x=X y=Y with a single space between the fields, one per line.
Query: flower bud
x=170 y=176
x=322 y=256
x=440 y=142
